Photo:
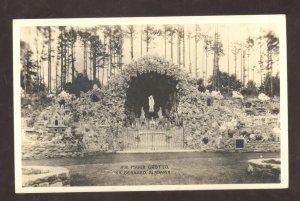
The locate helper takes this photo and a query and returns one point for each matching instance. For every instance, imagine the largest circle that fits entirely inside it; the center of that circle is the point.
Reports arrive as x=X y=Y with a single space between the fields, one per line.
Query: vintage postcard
x=150 y=104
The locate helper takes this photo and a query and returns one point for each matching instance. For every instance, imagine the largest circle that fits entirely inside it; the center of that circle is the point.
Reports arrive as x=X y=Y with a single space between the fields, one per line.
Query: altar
x=156 y=133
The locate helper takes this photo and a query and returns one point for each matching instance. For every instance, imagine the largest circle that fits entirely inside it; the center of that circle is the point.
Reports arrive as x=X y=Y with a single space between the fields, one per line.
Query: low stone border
x=45 y=176
x=265 y=167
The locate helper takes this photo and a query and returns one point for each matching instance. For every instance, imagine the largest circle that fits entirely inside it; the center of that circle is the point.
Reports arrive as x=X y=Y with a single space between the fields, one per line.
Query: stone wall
x=248 y=147
x=44 y=176
x=97 y=138
x=97 y=127
x=256 y=147
x=215 y=126
x=269 y=167
x=262 y=146
x=38 y=144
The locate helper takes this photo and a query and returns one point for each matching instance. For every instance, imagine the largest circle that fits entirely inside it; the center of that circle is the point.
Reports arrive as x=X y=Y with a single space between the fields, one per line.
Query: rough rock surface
x=265 y=167
x=96 y=120
x=44 y=176
x=96 y=126
x=214 y=126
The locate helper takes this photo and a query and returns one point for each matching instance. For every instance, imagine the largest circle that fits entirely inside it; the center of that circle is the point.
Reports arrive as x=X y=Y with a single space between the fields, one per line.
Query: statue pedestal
x=152 y=115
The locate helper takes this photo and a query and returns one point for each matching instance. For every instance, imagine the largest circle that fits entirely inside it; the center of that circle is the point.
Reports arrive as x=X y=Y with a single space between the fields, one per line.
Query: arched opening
x=163 y=89
x=55 y=122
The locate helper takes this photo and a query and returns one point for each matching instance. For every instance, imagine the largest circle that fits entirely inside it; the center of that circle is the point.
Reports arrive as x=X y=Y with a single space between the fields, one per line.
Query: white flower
x=263 y=97
x=236 y=94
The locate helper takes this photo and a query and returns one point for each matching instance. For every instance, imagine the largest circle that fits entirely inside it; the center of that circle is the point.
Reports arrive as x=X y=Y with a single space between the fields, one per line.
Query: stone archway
x=149 y=75
x=129 y=90
x=167 y=83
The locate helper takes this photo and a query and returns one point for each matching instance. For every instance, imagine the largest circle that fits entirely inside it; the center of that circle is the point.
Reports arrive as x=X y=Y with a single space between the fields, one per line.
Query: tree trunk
x=261 y=72
x=131 y=43
x=190 y=63
x=84 y=66
x=120 y=55
x=183 y=48
x=178 y=45
x=235 y=61
x=66 y=64
x=104 y=58
x=196 y=58
x=228 y=84
x=271 y=77
x=102 y=80
x=206 y=56
x=98 y=72
x=84 y=59
x=214 y=71
x=61 y=64
x=114 y=62
x=165 y=37
x=215 y=63
x=49 y=59
x=56 y=75
x=248 y=56
x=141 y=41
x=171 y=40
x=37 y=65
x=43 y=72
x=260 y=65
x=25 y=84
x=203 y=65
x=147 y=40
x=244 y=67
x=38 y=70
x=90 y=76
x=94 y=67
x=73 y=65
x=109 y=61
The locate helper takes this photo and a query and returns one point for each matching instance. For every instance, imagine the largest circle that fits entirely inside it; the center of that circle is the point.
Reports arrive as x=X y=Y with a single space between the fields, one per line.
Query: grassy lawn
x=184 y=168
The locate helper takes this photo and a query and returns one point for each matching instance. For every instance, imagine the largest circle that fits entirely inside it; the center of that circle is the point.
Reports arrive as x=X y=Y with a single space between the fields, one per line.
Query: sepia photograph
x=150 y=103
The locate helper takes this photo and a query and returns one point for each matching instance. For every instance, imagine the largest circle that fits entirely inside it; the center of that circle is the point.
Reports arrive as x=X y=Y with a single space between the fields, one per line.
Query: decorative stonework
x=44 y=176
x=98 y=126
x=269 y=167
x=57 y=122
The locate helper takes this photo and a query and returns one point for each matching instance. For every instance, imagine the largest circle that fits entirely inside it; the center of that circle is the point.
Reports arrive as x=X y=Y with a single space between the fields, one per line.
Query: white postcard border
x=279 y=19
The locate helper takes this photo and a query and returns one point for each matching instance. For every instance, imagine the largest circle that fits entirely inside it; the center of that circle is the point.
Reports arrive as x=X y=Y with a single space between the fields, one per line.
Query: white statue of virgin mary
x=151 y=103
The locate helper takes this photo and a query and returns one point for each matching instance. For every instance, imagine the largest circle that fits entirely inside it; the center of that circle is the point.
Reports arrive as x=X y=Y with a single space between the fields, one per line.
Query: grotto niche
x=163 y=89
x=144 y=77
